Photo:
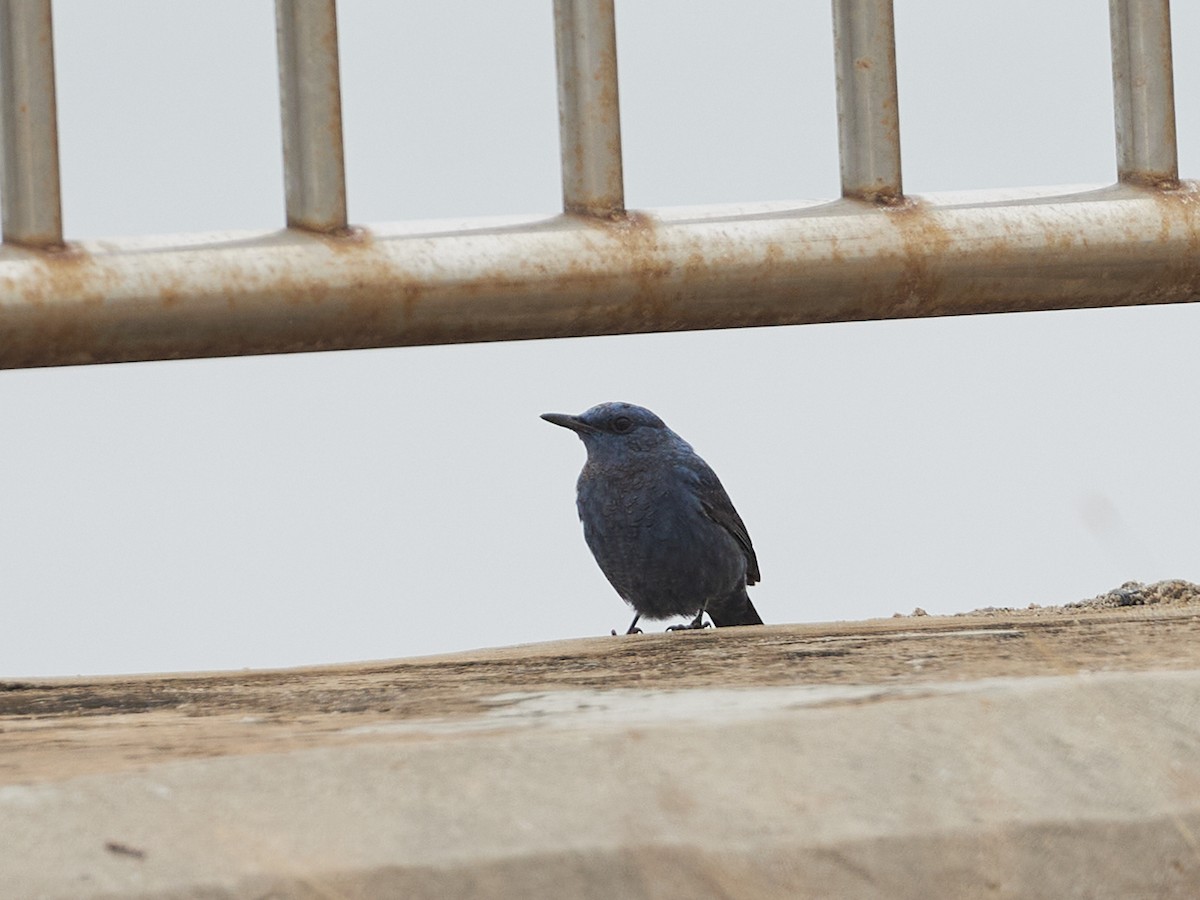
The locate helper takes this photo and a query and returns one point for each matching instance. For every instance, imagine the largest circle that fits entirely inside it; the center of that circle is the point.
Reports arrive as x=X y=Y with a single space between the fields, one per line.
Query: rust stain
x=880 y=195
x=1159 y=181
x=349 y=238
x=835 y=250
x=924 y=240
x=1179 y=207
x=649 y=306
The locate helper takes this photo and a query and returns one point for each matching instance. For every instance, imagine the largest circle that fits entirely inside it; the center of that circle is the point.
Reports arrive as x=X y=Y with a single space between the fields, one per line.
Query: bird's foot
x=695 y=625
x=633 y=629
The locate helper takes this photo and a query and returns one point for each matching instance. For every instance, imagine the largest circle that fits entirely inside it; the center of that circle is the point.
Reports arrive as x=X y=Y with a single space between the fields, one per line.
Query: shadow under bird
x=658 y=520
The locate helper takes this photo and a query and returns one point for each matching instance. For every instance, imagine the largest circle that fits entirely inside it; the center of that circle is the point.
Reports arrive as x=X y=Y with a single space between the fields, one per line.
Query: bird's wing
x=718 y=507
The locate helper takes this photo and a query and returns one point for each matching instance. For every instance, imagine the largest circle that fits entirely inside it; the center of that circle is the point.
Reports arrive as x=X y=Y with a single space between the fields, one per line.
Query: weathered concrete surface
x=1011 y=755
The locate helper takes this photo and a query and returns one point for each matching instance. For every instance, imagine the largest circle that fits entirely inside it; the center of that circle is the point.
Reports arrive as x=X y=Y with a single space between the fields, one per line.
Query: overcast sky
x=374 y=504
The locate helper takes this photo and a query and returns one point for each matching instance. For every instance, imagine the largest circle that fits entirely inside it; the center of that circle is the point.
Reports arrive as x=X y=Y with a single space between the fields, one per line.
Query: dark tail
x=736 y=609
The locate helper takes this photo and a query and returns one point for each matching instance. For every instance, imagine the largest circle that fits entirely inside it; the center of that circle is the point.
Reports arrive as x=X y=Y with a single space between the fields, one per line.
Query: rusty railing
x=323 y=284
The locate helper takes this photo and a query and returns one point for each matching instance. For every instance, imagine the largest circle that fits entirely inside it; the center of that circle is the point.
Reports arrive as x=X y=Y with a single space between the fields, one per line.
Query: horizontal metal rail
x=569 y=275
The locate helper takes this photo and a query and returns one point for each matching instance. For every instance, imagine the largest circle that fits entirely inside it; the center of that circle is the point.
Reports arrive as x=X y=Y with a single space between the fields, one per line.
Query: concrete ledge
x=1074 y=785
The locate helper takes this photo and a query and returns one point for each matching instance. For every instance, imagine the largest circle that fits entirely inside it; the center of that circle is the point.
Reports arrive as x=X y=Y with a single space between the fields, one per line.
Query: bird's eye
x=622 y=424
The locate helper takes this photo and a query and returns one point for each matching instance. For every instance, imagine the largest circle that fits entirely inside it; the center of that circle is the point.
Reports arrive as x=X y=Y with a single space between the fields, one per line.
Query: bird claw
x=697 y=625
x=630 y=631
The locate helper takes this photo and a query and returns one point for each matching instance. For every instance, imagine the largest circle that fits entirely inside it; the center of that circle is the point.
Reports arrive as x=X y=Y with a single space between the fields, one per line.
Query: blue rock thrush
x=658 y=520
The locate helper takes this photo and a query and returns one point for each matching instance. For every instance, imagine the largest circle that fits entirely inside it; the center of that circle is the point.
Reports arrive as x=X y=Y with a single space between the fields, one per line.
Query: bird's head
x=616 y=428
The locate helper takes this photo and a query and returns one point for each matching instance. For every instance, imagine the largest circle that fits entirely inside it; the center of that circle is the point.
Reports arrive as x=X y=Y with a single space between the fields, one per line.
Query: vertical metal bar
x=589 y=113
x=1143 y=91
x=311 y=104
x=30 y=188
x=864 y=37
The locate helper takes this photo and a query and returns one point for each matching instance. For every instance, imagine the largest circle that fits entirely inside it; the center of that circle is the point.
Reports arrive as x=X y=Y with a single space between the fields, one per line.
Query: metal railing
x=322 y=284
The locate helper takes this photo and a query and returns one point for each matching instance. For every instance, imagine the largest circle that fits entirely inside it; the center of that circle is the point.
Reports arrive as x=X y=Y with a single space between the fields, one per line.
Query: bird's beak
x=573 y=422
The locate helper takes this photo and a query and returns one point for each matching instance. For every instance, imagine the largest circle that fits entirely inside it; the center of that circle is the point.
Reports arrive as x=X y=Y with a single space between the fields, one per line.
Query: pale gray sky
x=342 y=506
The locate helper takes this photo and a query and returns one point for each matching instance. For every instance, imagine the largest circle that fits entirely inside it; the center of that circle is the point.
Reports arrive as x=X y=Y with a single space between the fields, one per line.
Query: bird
x=659 y=522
